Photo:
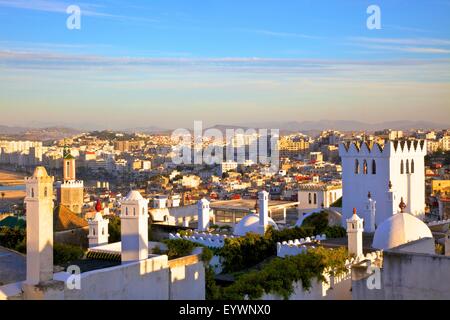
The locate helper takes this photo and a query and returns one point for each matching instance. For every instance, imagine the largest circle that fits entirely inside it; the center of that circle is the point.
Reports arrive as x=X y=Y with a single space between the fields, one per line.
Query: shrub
x=114 y=229
x=64 y=253
x=177 y=248
x=245 y=252
x=317 y=221
x=279 y=275
x=11 y=237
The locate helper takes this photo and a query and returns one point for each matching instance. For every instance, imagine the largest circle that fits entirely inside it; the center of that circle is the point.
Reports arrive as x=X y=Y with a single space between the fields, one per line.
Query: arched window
x=309 y=198
x=103 y=231
x=356 y=166
x=407 y=166
x=365 y=167
x=134 y=211
x=45 y=192
x=374 y=167
x=126 y=211
x=32 y=192
x=401 y=167
x=93 y=232
x=315 y=198
x=412 y=166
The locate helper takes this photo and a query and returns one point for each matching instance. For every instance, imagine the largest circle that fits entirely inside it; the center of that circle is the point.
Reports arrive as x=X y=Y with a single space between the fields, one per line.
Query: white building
x=389 y=172
x=318 y=195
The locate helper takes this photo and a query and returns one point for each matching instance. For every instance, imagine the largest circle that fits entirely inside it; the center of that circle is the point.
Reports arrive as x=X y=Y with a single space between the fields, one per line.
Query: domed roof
x=40 y=172
x=250 y=223
x=134 y=196
x=400 y=229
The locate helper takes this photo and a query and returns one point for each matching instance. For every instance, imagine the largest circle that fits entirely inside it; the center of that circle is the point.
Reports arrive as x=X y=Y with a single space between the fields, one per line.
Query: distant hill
x=347 y=125
x=40 y=134
x=148 y=130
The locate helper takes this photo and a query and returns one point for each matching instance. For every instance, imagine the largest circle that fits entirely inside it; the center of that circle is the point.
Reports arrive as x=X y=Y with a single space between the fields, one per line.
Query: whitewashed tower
x=98 y=228
x=134 y=227
x=203 y=214
x=39 y=211
x=370 y=213
x=354 y=234
x=374 y=167
x=263 y=207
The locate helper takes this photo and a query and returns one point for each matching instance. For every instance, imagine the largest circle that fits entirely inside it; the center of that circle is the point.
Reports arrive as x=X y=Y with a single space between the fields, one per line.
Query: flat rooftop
x=249 y=204
x=13 y=266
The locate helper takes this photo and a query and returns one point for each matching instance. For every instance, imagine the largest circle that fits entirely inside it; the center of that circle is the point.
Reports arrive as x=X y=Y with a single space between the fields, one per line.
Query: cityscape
x=261 y=160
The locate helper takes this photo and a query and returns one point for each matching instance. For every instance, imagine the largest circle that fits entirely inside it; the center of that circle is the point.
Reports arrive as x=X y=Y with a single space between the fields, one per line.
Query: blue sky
x=168 y=63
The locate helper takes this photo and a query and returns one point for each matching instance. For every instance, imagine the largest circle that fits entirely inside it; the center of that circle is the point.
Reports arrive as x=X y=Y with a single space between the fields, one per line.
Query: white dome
x=134 y=196
x=399 y=229
x=250 y=223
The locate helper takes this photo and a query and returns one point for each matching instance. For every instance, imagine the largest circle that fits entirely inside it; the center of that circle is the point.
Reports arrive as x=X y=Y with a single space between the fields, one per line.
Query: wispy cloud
x=404 y=41
x=408 y=45
x=87 y=9
x=279 y=34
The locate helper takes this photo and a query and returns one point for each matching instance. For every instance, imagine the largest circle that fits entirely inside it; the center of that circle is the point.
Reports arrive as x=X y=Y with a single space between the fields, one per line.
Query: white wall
x=337 y=288
x=408 y=276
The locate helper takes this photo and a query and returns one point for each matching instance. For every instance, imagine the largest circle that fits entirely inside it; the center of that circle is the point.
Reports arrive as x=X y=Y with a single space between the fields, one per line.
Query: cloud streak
x=61 y=7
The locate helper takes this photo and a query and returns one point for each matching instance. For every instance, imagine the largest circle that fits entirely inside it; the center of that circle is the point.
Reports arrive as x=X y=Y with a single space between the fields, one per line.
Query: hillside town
x=365 y=197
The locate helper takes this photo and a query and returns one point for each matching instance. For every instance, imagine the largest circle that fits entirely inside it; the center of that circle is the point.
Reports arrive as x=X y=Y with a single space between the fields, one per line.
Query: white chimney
x=134 y=227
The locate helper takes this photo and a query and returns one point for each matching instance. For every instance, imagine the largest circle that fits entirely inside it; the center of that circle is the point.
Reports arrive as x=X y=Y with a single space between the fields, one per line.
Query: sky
x=166 y=63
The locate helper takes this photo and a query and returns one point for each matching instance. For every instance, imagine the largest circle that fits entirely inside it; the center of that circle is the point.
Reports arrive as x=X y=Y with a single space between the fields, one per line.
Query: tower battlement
x=72 y=184
x=390 y=148
x=46 y=179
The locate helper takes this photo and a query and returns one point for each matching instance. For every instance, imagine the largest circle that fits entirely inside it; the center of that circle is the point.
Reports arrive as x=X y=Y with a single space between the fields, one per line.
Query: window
x=143 y=211
x=401 y=167
x=103 y=231
x=407 y=166
x=93 y=232
x=32 y=192
x=134 y=211
x=315 y=198
x=45 y=192
x=126 y=211
x=374 y=167
x=412 y=166
x=356 y=166
x=365 y=167
x=309 y=198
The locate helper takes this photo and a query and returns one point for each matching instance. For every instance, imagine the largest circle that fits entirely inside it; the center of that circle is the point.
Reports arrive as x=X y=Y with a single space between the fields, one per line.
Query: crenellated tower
x=71 y=190
x=388 y=171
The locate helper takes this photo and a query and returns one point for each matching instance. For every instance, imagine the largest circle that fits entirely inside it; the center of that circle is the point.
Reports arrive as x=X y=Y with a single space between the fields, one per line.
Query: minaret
x=134 y=227
x=203 y=215
x=39 y=215
x=98 y=228
x=263 y=208
x=69 y=165
x=70 y=191
x=354 y=233
x=370 y=213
